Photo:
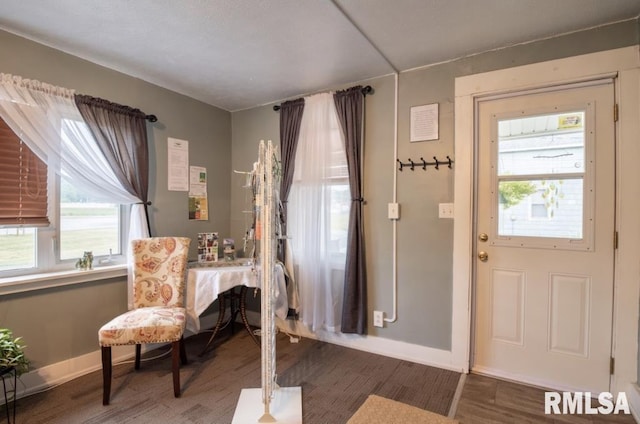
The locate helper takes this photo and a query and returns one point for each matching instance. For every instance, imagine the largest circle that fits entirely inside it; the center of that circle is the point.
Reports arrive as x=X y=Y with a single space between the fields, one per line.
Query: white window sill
x=30 y=282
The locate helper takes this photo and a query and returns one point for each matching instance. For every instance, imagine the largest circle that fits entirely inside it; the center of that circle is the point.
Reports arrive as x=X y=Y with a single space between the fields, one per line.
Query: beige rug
x=379 y=410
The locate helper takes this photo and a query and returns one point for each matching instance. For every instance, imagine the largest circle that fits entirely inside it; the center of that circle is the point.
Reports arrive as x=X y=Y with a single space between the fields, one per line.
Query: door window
x=541 y=193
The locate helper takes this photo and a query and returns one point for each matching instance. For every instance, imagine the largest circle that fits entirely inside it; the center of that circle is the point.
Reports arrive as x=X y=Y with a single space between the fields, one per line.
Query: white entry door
x=545 y=237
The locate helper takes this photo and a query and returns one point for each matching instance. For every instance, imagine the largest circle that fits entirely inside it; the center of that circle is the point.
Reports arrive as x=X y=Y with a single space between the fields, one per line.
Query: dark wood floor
x=488 y=400
x=335 y=381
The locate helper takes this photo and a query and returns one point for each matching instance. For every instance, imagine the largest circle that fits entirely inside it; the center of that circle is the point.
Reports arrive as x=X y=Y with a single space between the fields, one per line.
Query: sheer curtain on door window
x=318 y=214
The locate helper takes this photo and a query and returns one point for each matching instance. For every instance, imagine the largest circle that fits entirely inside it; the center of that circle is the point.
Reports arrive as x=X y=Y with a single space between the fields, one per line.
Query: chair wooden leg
x=175 y=359
x=137 y=363
x=183 y=352
x=106 y=374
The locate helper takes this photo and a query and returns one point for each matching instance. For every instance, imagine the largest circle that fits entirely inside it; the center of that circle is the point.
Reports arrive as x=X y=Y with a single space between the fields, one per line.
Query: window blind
x=23 y=182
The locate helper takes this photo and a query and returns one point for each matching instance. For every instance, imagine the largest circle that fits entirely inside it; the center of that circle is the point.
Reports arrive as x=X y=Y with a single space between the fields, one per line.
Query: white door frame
x=625 y=62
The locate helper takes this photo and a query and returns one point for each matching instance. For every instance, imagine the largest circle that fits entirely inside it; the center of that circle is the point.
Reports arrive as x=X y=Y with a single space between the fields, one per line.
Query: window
x=318 y=214
x=539 y=210
x=336 y=200
x=87 y=224
x=46 y=223
x=541 y=170
x=339 y=199
x=23 y=201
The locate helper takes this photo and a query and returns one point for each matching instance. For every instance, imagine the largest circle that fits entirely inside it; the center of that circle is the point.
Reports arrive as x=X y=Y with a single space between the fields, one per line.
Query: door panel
x=507 y=306
x=544 y=275
x=569 y=314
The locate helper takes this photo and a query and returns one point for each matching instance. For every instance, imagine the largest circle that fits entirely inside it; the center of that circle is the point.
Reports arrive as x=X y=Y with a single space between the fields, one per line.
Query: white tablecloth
x=204 y=284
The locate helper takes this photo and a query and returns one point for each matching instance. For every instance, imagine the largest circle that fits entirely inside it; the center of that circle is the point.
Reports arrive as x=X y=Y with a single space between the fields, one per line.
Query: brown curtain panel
x=349 y=107
x=290 y=118
x=121 y=133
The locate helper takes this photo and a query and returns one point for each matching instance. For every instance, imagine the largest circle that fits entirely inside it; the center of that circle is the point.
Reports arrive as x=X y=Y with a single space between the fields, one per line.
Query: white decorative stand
x=285 y=407
x=271 y=403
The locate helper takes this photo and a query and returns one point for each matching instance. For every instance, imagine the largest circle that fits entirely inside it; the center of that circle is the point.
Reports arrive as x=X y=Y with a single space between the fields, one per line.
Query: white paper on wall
x=424 y=122
x=177 y=164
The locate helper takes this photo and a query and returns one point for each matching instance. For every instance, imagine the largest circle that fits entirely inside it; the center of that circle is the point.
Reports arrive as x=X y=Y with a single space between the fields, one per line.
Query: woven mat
x=379 y=410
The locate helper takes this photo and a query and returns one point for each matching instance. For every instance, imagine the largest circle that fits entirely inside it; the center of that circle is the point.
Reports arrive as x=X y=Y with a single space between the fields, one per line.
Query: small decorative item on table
x=229 y=249
x=207 y=247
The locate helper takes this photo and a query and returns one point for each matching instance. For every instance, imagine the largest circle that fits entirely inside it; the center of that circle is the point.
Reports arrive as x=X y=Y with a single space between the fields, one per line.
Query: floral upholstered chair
x=158 y=314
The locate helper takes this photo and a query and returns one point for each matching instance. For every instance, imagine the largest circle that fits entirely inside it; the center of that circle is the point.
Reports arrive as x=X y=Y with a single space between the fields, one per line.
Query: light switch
x=394 y=211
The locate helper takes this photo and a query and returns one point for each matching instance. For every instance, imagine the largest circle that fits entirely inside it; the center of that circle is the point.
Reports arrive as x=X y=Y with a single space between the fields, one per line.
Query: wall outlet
x=378 y=319
x=445 y=210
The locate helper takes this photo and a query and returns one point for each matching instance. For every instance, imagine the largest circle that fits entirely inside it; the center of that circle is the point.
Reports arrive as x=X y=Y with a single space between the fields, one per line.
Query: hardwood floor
x=488 y=400
x=335 y=381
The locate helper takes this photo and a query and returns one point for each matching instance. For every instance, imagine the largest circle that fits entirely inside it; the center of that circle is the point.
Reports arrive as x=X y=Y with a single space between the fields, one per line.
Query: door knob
x=483 y=256
x=483 y=237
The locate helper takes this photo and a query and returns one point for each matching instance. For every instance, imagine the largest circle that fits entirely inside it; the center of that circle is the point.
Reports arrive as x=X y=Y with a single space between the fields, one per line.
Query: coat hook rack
x=423 y=163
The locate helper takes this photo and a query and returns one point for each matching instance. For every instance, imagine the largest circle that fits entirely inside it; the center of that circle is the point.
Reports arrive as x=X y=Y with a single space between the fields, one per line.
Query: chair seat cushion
x=155 y=324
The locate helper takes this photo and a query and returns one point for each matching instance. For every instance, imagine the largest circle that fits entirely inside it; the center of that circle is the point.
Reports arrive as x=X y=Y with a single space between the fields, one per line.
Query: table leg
x=221 y=311
x=243 y=314
x=234 y=308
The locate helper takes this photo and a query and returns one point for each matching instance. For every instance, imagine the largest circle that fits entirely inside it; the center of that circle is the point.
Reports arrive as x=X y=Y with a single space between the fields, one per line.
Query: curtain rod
x=86 y=97
x=365 y=90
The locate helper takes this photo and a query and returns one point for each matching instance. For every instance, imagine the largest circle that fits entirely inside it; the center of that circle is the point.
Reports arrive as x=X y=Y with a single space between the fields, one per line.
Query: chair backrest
x=159 y=265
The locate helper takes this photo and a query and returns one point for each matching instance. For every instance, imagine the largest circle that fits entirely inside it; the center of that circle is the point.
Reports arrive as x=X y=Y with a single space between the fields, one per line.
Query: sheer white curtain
x=47 y=119
x=318 y=211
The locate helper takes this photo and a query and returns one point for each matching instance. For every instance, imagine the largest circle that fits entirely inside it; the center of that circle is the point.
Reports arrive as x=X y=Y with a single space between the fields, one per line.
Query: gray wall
x=62 y=323
x=248 y=128
x=425 y=242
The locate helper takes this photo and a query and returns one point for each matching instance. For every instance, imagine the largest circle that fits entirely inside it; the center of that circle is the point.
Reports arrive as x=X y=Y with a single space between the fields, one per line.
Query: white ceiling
x=237 y=54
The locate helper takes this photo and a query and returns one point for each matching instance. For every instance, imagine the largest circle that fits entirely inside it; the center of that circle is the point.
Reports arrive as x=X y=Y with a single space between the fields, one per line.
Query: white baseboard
x=53 y=375
x=392 y=348
x=61 y=372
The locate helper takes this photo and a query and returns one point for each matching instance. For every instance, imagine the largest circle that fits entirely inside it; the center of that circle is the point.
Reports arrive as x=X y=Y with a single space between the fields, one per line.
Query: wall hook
x=424 y=164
